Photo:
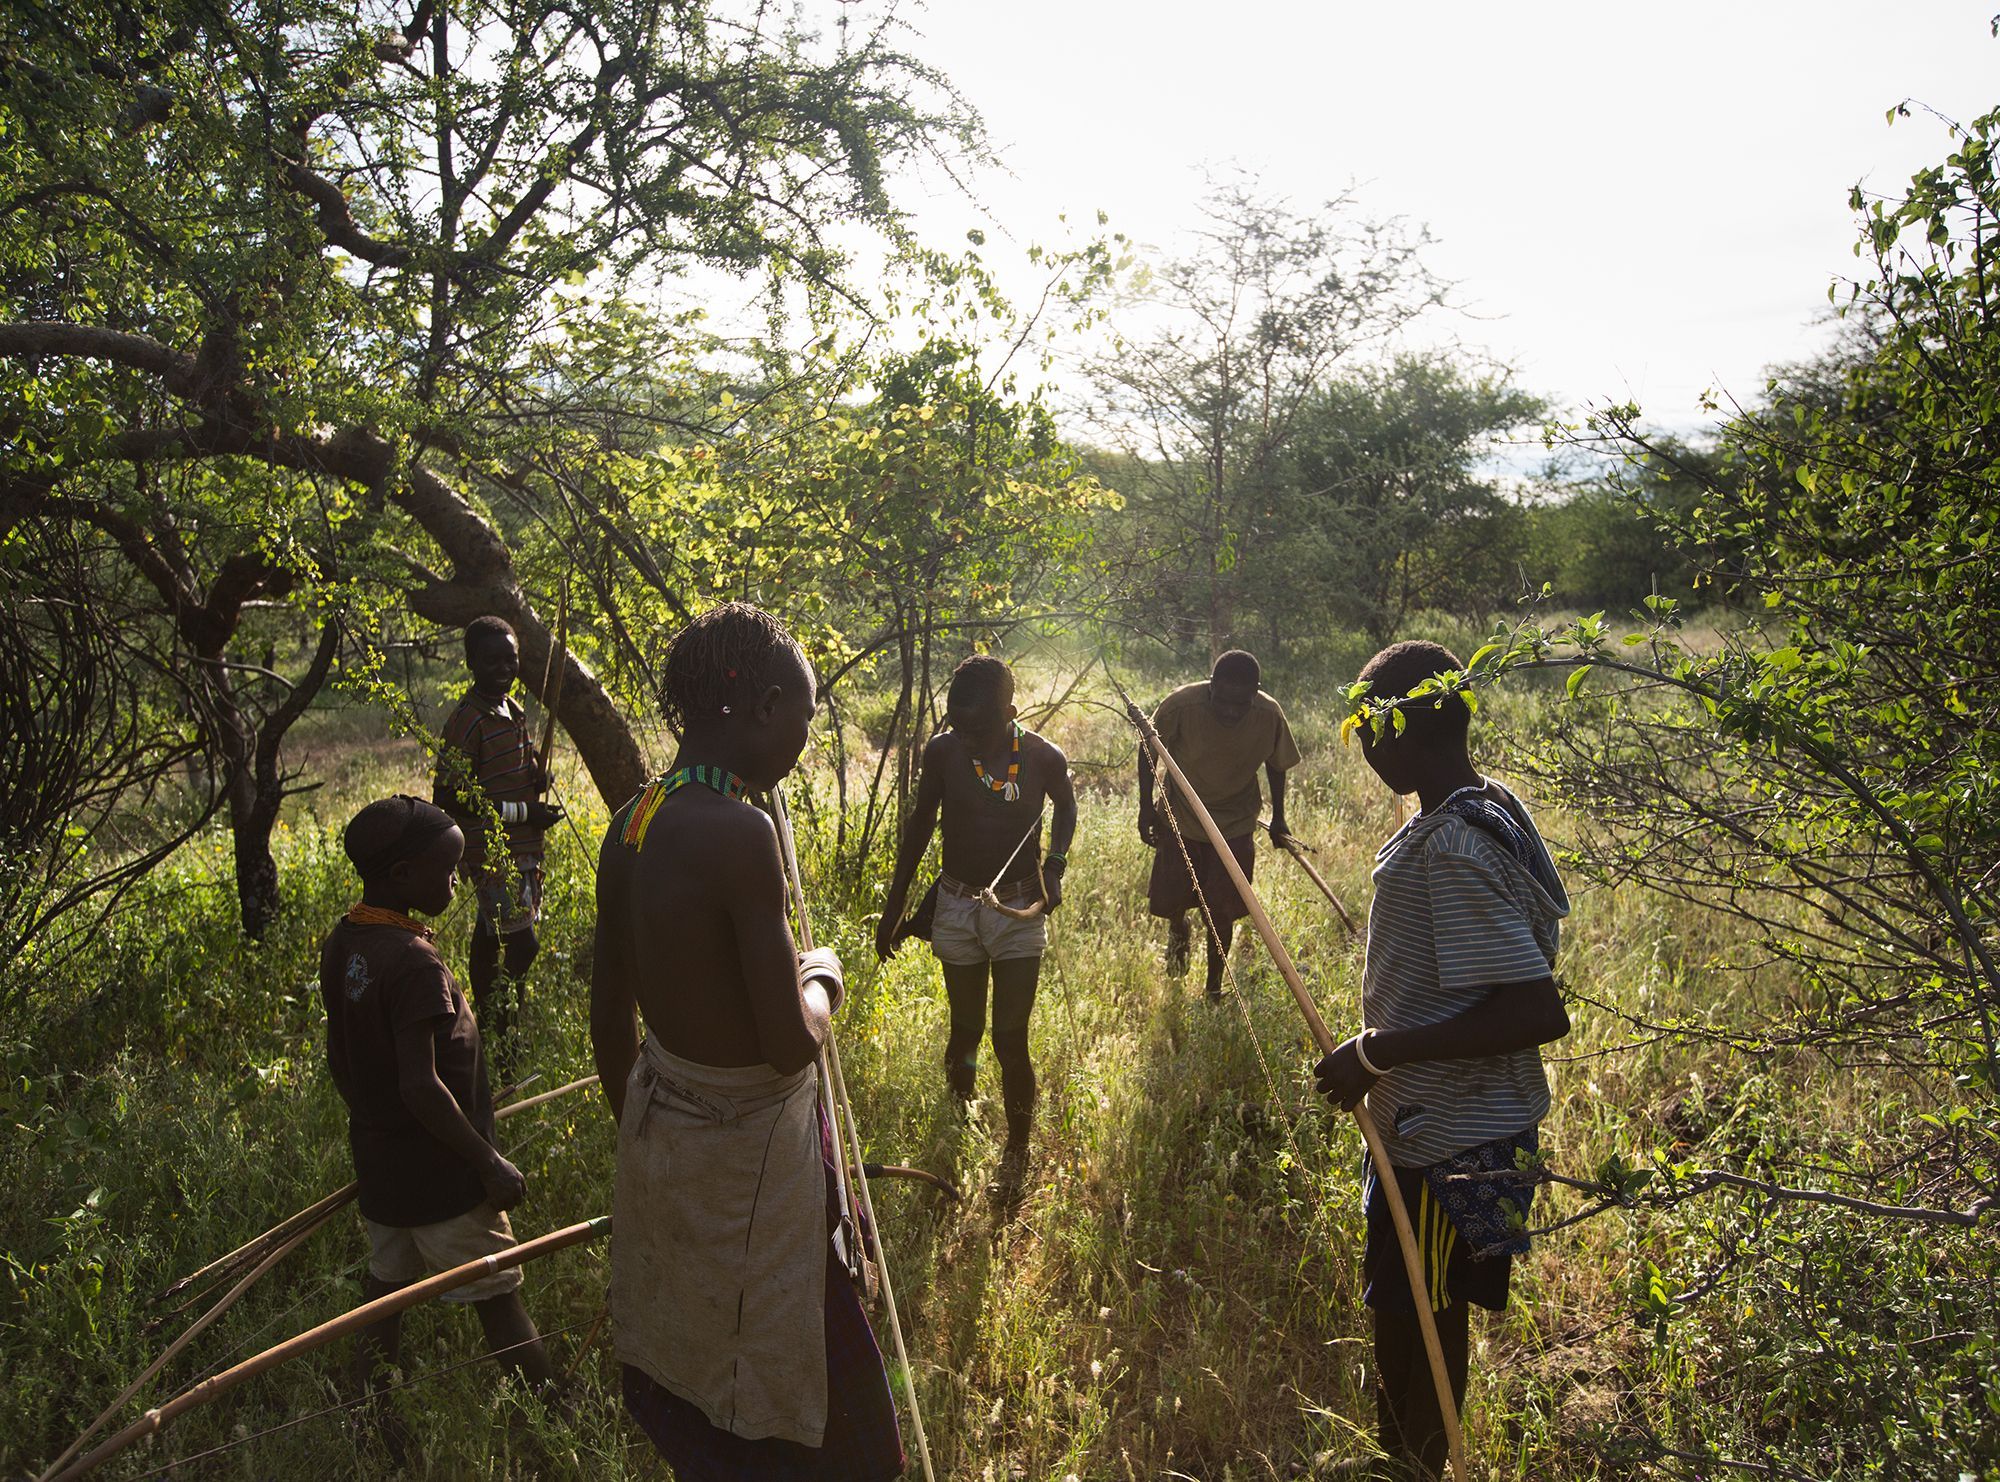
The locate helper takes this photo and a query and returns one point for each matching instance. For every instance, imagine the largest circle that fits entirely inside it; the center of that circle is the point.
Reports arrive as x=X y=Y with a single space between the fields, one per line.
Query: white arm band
x=1361 y=1054
x=513 y=812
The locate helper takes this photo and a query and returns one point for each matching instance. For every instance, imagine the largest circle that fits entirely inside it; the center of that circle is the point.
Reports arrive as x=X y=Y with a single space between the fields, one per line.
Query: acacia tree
x=1252 y=322
x=289 y=290
x=1383 y=508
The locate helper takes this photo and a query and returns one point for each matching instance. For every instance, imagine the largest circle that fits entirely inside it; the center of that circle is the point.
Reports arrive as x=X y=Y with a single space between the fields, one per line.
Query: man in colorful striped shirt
x=1458 y=993
x=488 y=775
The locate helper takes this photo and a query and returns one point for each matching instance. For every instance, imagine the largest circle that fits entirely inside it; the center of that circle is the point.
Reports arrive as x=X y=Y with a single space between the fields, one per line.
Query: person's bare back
x=743 y=1346
x=692 y=924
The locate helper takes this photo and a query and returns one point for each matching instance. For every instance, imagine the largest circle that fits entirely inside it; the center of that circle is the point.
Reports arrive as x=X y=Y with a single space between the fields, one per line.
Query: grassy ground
x=1177 y=1296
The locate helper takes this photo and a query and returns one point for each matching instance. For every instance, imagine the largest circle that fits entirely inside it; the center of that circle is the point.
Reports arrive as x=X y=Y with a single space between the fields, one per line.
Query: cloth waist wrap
x=719 y=1242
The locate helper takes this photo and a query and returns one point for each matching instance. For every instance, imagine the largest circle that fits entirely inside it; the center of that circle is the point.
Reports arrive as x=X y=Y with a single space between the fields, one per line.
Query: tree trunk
x=483 y=581
x=256 y=869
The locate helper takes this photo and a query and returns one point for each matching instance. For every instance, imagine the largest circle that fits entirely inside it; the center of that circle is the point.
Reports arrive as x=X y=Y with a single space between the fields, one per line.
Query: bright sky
x=1639 y=200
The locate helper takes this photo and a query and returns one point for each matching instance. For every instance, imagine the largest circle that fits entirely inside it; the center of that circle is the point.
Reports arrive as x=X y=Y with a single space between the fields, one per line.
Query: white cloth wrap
x=719 y=1242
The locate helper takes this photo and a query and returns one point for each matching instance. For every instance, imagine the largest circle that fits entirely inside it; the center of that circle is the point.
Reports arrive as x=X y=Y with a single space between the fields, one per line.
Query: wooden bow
x=1323 y=1037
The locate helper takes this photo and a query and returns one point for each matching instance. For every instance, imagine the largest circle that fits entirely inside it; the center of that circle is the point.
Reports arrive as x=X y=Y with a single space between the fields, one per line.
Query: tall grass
x=1176 y=1295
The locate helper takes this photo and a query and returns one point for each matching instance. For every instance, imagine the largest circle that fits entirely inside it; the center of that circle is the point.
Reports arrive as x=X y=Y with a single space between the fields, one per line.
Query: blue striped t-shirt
x=1454 y=914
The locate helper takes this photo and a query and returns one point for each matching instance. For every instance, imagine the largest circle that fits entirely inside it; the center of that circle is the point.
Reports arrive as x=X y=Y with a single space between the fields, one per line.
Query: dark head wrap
x=390 y=831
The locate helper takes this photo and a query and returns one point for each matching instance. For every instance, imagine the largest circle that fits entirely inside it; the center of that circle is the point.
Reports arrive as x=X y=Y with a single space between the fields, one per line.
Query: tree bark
x=251 y=824
x=482 y=578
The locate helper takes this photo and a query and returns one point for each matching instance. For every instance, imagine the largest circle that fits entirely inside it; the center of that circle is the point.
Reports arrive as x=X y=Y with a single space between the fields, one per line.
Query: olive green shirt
x=1222 y=761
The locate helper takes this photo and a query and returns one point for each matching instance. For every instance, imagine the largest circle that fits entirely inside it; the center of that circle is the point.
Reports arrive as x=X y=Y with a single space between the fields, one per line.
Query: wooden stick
x=255 y=1246
x=896 y=1170
x=830 y=1060
x=367 y=1314
x=195 y=1329
x=882 y=1264
x=1323 y=1037
x=556 y=660
x=251 y=1249
x=843 y=1189
x=1320 y=880
x=564 y=1090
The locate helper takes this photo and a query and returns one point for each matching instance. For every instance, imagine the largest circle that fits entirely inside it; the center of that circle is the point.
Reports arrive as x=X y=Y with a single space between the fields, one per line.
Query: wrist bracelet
x=1060 y=861
x=513 y=812
x=1361 y=1053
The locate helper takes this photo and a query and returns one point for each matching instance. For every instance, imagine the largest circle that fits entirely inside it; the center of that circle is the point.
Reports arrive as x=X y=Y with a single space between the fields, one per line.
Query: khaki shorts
x=401 y=1254
x=966 y=932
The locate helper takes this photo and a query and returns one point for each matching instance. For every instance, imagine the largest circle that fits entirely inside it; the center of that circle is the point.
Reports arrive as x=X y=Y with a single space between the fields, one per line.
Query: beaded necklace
x=656 y=792
x=362 y=914
x=1011 y=788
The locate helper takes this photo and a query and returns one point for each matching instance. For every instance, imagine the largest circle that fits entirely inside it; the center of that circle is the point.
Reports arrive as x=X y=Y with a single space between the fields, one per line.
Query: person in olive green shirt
x=1219 y=731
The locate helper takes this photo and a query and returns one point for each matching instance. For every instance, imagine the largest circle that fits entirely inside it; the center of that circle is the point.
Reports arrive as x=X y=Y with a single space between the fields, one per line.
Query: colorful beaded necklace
x=656 y=792
x=1011 y=788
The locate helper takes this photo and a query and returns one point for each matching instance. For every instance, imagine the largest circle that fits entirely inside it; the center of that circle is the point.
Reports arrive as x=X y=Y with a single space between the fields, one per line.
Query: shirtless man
x=990 y=779
x=721 y=1319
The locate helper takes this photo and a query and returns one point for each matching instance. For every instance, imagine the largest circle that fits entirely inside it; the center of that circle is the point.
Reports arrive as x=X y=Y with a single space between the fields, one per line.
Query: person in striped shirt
x=1458 y=995
x=488 y=771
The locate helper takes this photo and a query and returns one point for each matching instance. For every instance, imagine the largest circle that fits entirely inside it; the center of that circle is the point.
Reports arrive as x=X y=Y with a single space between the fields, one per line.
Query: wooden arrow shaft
x=830 y=1061
x=366 y=1315
x=1323 y=1037
x=251 y=1248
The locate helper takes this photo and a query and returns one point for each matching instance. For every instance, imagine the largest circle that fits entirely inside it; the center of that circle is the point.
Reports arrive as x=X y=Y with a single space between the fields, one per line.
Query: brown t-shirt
x=1222 y=761
x=373 y=981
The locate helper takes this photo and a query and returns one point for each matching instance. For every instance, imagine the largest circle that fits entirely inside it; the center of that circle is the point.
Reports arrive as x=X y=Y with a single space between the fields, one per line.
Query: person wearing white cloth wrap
x=745 y=1348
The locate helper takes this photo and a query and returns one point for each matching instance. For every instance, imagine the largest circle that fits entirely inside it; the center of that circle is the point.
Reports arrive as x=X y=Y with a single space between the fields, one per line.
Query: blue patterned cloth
x=1489 y=1214
x=1484 y=813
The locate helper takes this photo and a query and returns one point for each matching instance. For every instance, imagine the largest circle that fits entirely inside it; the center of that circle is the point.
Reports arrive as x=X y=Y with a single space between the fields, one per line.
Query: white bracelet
x=1361 y=1053
x=513 y=812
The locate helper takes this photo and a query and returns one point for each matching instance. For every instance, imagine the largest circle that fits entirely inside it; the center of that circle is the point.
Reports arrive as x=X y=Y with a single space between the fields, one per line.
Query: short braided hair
x=724 y=656
x=482 y=629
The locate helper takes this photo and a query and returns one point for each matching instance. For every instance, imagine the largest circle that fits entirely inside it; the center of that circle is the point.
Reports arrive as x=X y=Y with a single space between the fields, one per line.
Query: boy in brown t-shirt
x=405 y=1053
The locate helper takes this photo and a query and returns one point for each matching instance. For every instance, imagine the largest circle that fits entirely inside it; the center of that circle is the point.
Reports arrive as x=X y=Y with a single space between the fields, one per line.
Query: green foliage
x=1600 y=548
x=1200 y=414
x=1384 y=511
x=285 y=291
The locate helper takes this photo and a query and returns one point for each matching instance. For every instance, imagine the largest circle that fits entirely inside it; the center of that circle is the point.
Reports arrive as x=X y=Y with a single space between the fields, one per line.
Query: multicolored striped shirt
x=1456 y=913
x=493 y=737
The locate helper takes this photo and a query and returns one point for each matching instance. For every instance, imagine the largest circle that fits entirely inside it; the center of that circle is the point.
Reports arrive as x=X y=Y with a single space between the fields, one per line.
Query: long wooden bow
x=830 y=1061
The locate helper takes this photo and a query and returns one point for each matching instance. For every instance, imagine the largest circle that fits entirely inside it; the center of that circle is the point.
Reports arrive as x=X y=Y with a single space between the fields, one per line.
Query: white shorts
x=401 y=1254
x=966 y=932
